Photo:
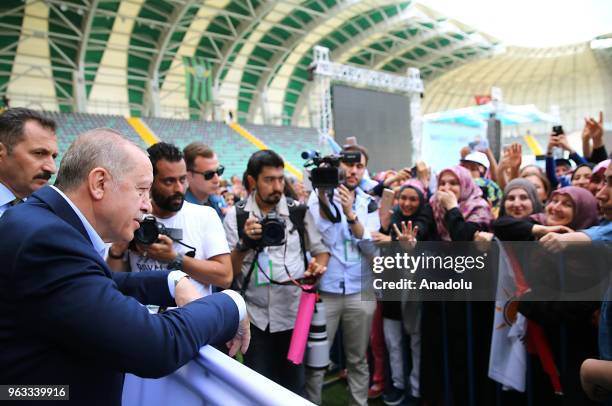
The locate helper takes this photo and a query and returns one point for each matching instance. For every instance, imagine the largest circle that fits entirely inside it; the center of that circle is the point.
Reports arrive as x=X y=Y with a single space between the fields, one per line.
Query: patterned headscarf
x=527 y=186
x=585 y=208
x=492 y=192
x=472 y=206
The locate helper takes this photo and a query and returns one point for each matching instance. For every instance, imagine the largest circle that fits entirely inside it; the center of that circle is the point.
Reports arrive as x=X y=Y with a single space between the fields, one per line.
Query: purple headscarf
x=472 y=206
x=585 y=208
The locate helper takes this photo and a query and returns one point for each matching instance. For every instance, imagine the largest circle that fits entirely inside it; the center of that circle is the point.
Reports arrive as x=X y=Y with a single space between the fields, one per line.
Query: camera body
x=150 y=230
x=326 y=172
x=273 y=230
x=557 y=130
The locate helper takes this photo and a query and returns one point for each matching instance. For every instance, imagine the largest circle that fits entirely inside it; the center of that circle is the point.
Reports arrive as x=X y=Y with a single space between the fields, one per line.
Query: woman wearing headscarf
x=520 y=201
x=413 y=207
x=570 y=208
x=411 y=218
x=564 y=327
x=456 y=336
x=458 y=206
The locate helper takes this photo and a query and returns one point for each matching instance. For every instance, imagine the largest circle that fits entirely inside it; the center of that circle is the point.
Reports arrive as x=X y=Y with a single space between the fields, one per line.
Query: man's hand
x=314 y=270
x=447 y=200
x=346 y=199
x=161 y=250
x=252 y=229
x=185 y=292
x=242 y=338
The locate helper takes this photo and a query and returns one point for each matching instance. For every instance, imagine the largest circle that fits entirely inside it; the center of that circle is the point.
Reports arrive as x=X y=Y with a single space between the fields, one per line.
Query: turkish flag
x=482 y=99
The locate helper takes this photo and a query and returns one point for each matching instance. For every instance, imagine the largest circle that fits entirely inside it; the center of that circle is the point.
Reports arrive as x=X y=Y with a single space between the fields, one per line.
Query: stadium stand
x=70 y=125
x=290 y=142
x=233 y=150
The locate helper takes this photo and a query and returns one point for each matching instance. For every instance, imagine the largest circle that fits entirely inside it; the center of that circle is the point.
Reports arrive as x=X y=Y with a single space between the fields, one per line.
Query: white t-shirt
x=202 y=229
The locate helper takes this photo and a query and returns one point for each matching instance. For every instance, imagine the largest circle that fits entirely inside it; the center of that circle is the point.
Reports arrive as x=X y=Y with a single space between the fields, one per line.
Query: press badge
x=264 y=269
x=351 y=251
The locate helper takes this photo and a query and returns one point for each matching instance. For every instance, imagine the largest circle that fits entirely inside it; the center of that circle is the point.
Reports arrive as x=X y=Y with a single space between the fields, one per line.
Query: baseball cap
x=477 y=157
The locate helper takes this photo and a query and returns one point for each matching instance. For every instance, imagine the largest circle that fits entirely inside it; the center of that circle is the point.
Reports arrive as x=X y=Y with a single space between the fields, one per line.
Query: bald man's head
x=101 y=147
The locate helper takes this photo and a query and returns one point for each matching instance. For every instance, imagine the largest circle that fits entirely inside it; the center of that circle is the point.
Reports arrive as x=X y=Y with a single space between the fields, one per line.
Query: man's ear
x=98 y=182
x=252 y=182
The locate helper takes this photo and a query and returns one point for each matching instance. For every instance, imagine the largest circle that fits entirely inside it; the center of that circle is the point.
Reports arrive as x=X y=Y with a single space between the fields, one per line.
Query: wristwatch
x=177 y=262
x=353 y=221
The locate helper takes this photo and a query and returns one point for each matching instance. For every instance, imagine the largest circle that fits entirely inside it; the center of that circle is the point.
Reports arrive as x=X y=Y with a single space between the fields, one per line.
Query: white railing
x=212 y=378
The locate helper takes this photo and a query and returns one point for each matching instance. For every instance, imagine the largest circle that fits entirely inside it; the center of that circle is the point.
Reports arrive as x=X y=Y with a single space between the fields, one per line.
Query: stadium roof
x=260 y=50
x=576 y=78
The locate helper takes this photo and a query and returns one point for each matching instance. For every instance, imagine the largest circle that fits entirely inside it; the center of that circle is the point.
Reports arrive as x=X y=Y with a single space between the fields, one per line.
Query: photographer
x=341 y=286
x=269 y=234
x=191 y=238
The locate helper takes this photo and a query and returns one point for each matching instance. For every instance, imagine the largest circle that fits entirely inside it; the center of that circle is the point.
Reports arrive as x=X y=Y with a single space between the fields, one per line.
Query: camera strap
x=174 y=233
x=291 y=282
x=334 y=218
x=247 y=278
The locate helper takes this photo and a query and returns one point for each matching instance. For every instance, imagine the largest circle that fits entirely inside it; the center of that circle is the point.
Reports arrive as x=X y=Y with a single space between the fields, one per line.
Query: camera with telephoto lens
x=326 y=172
x=150 y=230
x=273 y=230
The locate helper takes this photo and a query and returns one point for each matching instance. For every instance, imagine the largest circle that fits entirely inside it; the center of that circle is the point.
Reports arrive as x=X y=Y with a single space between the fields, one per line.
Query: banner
x=198 y=79
x=508 y=357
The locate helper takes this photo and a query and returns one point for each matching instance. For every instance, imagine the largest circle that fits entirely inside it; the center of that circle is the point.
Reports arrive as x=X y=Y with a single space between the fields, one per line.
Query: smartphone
x=557 y=129
x=386 y=203
x=413 y=172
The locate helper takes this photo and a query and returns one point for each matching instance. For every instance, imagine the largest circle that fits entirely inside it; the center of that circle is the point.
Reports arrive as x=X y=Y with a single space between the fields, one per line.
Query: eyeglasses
x=208 y=175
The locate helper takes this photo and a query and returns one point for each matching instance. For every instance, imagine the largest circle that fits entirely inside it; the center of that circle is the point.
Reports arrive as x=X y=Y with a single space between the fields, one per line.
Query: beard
x=167 y=203
x=350 y=187
x=273 y=198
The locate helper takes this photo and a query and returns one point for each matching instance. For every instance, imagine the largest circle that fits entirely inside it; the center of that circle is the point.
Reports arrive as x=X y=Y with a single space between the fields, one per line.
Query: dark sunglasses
x=208 y=175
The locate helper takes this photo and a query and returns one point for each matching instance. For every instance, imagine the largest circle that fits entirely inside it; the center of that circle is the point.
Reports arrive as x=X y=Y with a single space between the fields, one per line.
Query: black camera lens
x=149 y=230
x=273 y=230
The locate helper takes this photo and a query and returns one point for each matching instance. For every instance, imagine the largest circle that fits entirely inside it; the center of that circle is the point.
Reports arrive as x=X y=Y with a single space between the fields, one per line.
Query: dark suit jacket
x=65 y=318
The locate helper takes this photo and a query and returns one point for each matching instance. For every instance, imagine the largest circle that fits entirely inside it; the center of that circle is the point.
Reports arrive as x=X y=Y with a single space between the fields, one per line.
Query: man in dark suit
x=28 y=148
x=65 y=318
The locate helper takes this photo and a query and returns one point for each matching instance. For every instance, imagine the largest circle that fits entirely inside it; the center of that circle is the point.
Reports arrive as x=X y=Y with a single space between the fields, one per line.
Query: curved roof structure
x=118 y=55
x=577 y=79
